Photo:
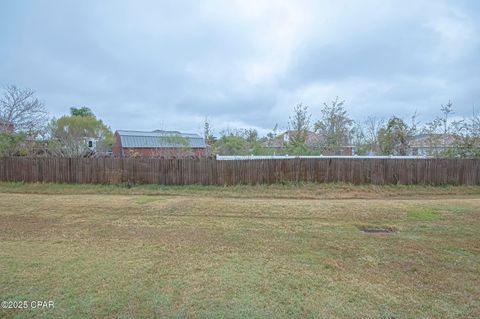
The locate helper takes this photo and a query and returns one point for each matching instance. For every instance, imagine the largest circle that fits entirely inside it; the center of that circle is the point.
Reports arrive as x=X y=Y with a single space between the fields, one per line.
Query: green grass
x=423 y=214
x=263 y=251
x=141 y=200
x=288 y=190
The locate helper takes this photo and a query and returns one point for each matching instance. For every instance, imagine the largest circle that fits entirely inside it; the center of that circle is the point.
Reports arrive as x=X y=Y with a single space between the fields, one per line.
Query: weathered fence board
x=261 y=171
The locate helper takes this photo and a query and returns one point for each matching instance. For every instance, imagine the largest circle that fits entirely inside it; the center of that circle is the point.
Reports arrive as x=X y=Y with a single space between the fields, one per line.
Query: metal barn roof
x=159 y=139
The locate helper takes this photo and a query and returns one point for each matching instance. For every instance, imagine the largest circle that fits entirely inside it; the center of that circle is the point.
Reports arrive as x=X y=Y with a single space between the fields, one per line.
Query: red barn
x=158 y=143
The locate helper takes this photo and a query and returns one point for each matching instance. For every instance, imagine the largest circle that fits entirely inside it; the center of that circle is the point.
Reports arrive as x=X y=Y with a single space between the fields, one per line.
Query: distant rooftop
x=159 y=139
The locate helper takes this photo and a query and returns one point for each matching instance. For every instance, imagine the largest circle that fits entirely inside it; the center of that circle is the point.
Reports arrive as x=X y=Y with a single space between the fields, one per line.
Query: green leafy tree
x=254 y=143
x=82 y=111
x=395 y=137
x=13 y=144
x=70 y=134
x=238 y=142
x=251 y=136
x=231 y=145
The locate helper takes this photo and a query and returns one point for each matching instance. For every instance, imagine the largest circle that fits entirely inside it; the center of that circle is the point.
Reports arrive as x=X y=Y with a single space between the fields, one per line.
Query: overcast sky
x=144 y=65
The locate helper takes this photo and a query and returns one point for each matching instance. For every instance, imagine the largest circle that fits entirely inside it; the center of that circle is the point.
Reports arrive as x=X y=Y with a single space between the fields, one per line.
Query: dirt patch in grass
x=377 y=229
x=12 y=226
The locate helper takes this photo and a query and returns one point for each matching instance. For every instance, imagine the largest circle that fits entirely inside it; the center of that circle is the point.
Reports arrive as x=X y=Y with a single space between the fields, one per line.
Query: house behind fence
x=313 y=141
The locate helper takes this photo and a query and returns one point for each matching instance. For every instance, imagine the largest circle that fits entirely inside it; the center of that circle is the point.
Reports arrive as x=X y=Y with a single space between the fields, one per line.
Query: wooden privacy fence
x=264 y=171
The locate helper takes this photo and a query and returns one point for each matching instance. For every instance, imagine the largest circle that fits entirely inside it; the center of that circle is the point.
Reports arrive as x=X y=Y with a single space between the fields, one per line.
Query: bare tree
x=467 y=137
x=442 y=124
x=446 y=111
x=475 y=124
x=358 y=136
x=335 y=124
x=373 y=125
x=442 y=130
x=20 y=110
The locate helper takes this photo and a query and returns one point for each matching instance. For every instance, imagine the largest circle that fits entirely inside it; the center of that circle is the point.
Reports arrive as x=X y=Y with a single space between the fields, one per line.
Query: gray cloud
x=148 y=64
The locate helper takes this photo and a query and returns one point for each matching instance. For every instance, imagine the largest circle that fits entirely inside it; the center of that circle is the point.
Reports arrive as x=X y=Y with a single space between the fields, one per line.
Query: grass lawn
x=250 y=251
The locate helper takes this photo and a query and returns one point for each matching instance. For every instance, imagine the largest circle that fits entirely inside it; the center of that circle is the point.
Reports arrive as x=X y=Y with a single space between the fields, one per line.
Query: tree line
x=335 y=130
x=26 y=129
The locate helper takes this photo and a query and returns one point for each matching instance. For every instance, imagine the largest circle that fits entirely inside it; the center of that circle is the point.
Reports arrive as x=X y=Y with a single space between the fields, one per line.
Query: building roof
x=160 y=139
x=432 y=141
